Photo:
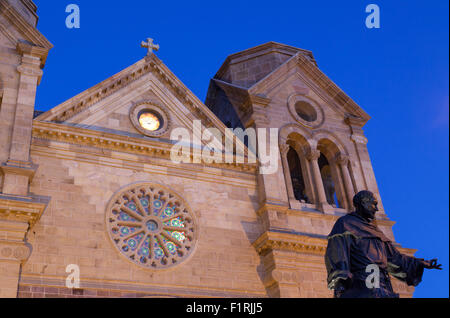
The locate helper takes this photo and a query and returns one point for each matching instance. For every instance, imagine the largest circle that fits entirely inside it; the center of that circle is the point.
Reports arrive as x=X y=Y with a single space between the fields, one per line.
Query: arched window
x=328 y=183
x=295 y=169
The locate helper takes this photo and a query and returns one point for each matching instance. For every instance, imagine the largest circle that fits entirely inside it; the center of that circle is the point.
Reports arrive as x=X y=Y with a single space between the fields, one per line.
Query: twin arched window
x=322 y=179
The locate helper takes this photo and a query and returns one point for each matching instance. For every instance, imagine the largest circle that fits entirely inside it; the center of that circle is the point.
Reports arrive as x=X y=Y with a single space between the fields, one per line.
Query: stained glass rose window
x=151 y=226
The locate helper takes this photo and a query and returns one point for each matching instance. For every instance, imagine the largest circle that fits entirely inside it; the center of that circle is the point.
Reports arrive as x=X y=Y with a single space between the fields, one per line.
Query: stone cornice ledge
x=23 y=209
x=331 y=88
x=31 y=33
x=301 y=243
x=105 y=140
x=290 y=242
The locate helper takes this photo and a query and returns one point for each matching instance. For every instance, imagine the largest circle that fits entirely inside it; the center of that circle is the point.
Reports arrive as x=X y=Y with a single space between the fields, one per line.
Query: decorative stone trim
x=22 y=209
x=342 y=159
x=19 y=168
x=290 y=242
x=126 y=289
x=7 y=33
x=93 y=96
x=104 y=140
x=30 y=32
x=29 y=71
x=360 y=139
x=151 y=226
x=35 y=51
x=15 y=252
x=151 y=106
x=111 y=85
x=320 y=117
x=311 y=70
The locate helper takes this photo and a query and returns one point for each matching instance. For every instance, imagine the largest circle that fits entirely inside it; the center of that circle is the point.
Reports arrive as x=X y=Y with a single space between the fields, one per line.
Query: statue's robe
x=353 y=245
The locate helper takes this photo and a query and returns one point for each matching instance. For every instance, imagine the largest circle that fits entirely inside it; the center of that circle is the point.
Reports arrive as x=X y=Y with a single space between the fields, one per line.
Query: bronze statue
x=359 y=257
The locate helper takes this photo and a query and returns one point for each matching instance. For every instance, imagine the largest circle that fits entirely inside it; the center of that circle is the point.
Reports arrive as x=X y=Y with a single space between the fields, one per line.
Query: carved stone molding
x=258 y=100
x=104 y=140
x=342 y=160
x=272 y=216
x=360 y=139
x=30 y=71
x=14 y=251
x=150 y=64
x=312 y=154
x=290 y=242
x=280 y=277
x=312 y=71
x=33 y=59
x=31 y=33
x=22 y=209
x=285 y=276
x=354 y=121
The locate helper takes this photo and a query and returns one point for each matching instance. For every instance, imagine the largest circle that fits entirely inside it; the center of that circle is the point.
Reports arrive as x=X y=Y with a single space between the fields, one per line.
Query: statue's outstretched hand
x=433 y=264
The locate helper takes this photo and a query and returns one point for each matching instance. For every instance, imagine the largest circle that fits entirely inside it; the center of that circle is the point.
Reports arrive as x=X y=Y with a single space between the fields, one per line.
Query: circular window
x=306 y=111
x=151 y=120
x=151 y=226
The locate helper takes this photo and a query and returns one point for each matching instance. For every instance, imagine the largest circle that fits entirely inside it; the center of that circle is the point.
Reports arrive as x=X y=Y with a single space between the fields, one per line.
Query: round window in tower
x=306 y=111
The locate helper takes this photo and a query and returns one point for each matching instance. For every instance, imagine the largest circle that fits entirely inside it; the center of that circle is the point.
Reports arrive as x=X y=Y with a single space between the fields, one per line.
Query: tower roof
x=247 y=67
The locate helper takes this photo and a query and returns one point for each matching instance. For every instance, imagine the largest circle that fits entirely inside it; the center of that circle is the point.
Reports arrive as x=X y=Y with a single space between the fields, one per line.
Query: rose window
x=151 y=226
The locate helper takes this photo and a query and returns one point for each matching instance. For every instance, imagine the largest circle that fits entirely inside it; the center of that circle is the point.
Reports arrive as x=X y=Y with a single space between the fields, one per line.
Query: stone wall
x=73 y=231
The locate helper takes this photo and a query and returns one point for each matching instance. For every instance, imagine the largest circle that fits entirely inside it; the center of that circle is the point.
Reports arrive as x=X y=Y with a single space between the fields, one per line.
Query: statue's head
x=366 y=204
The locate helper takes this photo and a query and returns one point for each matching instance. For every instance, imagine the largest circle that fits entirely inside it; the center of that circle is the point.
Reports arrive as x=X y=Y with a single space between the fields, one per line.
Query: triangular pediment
x=301 y=74
x=109 y=105
x=271 y=67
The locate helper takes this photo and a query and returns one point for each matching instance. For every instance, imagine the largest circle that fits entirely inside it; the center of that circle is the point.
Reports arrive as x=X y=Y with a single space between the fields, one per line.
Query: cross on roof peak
x=150 y=46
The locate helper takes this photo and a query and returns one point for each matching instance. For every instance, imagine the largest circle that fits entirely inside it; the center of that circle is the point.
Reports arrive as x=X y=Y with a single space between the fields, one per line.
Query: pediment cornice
x=104 y=140
x=22 y=209
x=293 y=242
x=153 y=64
x=270 y=241
x=30 y=33
x=318 y=80
x=332 y=90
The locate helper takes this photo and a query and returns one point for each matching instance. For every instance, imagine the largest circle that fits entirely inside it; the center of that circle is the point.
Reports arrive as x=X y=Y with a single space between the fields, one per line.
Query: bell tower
x=323 y=158
x=23 y=51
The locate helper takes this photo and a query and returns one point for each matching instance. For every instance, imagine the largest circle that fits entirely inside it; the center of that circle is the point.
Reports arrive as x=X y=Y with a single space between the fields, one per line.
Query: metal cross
x=150 y=46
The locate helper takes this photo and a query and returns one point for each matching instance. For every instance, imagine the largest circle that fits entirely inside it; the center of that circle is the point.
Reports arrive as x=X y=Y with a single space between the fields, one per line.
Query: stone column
x=271 y=187
x=13 y=253
x=18 y=170
x=306 y=171
x=284 y=149
x=19 y=210
x=343 y=162
x=364 y=176
x=17 y=217
x=322 y=203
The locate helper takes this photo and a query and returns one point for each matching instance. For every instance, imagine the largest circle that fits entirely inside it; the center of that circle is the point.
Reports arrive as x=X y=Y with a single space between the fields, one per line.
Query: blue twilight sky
x=398 y=74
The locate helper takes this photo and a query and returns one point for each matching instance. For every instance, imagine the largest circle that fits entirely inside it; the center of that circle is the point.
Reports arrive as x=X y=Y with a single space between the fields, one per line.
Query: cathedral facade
x=90 y=189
